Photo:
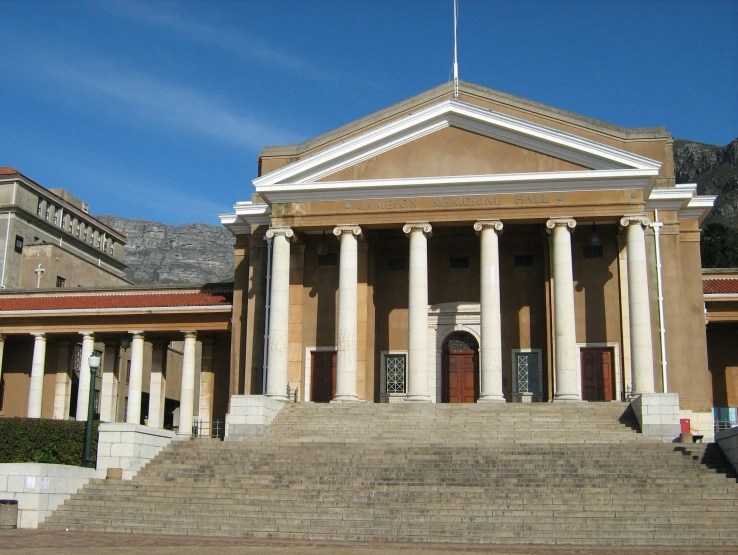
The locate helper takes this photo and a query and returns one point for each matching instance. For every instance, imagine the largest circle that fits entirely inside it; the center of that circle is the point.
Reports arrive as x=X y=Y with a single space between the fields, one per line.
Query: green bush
x=44 y=441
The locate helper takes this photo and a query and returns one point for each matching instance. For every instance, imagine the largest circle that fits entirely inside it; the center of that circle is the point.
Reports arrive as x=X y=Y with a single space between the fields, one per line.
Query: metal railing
x=292 y=394
x=524 y=397
x=213 y=430
x=721 y=425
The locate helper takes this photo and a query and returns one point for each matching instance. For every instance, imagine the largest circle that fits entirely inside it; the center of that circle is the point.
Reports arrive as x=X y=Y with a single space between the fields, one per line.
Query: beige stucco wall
x=60 y=263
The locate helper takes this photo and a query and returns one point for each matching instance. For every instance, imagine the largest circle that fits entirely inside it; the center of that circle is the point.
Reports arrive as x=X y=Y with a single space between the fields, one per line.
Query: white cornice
x=460 y=185
x=459 y=114
x=671 y=198
x=246 y=216
x=103 y=311
x=697 y=208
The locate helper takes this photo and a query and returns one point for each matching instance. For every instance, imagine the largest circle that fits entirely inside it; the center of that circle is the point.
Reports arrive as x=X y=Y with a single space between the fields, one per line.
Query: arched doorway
x=460 y=372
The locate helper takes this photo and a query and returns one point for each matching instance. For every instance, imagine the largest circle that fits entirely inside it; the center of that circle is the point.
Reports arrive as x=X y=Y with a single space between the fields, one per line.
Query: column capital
x=286 y=232
x=87 y=334
x=346 y=228
x=190 y=334
x=564 y=221
x=409 y=227
x=496 y=225
x=137 y=333
x=635 y=219
x=2 y=337
x=39 y=336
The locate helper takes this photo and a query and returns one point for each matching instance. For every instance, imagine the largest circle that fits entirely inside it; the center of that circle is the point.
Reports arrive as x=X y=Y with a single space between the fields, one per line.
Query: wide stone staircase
x=499 y=474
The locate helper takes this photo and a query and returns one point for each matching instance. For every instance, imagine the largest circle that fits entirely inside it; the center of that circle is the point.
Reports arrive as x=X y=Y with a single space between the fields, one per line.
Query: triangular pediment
x=451 y=142
x=452 y=151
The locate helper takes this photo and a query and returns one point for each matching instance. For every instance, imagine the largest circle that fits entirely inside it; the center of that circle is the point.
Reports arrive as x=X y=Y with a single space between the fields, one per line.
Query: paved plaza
x=34 y=542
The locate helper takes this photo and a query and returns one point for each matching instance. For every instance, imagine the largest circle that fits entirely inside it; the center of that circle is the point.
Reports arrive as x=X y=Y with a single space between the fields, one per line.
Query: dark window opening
x=459 y=263
x=61 y=282
x=395 y=264
x=18 y=244
x=328 y=259
x=592 y=251
x=525 y=260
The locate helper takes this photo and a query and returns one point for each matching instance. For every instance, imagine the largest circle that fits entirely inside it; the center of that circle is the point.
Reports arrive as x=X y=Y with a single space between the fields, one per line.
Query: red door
x=323 y=381
x=597 y=376
x=461 y=377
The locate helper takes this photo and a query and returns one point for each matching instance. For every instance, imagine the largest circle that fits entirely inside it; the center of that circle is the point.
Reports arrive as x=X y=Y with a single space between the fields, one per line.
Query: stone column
x=565 y=340
x=279 y=312
x=36 y=393
x=108 y=387
x=158 y=384
x=491 y=333
x=207 y=381
x=83 y=389
x=135 y=383
x=62 y=387
x=418 y=311
x=641 y=350
x=348 y=313
x=187 y=393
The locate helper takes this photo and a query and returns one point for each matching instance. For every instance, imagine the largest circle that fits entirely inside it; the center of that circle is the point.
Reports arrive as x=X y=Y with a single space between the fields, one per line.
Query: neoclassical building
x=479 y=248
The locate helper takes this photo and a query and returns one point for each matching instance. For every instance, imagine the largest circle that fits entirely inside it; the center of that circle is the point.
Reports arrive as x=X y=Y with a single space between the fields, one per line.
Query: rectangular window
x=77 y=229
x=112 y=248
x=527 y=378
x=105 y=245
x=40 y=207
x=328 y=259
x=592 y=251
x=70 y=227
x=18 y=244
x=48 y=211
x=396 y=264
x=61 y=282
x=459 y=263
x=56 y=217
x=395 y=373
x=525 y=260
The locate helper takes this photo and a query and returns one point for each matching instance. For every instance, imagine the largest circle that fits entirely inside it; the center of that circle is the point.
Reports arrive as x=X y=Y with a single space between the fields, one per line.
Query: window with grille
x=592 y=251
x=527 y=378
x=128 y=372
x=328 y=259
x=459 y=263
x=75 y=360
x=61 y=282
x=396 y=264
x=525 y=260
x=395 y=373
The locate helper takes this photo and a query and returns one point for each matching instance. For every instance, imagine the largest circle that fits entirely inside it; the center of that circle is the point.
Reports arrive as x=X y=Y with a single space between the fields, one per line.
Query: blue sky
x=158 y=110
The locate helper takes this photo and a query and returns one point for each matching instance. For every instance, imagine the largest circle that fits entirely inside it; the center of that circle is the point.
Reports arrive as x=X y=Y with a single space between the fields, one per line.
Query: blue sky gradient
x=157 y=110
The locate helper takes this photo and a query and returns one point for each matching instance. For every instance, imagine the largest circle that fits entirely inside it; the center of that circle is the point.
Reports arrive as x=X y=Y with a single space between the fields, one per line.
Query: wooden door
x=461 y=377
x=597 y=375
x=323 y=380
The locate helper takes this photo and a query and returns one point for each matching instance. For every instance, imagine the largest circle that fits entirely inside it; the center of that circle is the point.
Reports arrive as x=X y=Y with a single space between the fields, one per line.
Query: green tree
x=719 y=246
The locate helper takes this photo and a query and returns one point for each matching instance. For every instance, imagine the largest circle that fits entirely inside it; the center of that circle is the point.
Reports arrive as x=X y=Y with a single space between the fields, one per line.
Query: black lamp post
x=88 y=462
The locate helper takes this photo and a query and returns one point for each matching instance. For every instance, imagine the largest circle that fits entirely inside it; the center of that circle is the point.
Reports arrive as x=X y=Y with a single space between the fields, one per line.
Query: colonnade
x=108 y=393
x=567 y=374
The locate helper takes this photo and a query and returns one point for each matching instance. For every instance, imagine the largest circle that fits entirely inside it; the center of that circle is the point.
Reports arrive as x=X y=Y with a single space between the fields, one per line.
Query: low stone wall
x=125 y=449
x=658 y=415
x=40 y=488
x=702 y=424
x=250 y=415
x=728 y=442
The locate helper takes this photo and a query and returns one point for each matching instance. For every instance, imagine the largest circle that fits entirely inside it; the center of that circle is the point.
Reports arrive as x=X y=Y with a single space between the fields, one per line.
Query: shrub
x=44 y=441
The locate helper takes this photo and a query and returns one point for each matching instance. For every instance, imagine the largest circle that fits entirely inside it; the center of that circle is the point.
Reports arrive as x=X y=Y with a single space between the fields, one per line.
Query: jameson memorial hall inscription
x=455 y=201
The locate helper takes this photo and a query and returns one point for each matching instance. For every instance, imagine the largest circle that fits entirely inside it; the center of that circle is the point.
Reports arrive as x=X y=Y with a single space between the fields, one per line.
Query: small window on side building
x=61 y=282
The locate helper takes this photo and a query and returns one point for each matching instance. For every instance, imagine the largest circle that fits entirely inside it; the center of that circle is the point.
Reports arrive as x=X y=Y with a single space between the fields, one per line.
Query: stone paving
x=29 y=542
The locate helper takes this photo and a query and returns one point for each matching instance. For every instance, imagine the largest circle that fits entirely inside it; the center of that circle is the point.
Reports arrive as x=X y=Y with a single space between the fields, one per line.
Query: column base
x=345 y=399
x=567 y=398
x=498 y=398
x=276 y=397
x=418 y=399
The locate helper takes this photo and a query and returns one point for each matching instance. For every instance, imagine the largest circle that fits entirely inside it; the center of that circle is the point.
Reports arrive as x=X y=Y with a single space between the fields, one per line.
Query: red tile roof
x=76 y=302
x=720 y=286
x=7 y=170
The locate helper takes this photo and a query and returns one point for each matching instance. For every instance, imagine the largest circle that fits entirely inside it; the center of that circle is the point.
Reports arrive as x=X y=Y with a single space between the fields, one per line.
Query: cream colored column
x=83 y=389
x=61 y=389
x=107 y=388
x=187 y=393
x=491 y=333
x=417 y=377
x=279 y=313
x=207 y=381
x=348 y=313
x=36 y=393
x=641 y=349
x=158 y=385
x=567 y=373
x=135 y=383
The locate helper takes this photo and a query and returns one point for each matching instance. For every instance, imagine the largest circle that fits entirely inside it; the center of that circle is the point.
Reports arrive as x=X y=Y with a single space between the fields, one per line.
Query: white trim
x=307 y=394
x=246 y=215
x=103 y=311
x=514 y=375
x=714 y=296
x=568 y=181
x=383 y=377
x=697 y=208
x=616 y=370
x=460 y=114
x=670 y=198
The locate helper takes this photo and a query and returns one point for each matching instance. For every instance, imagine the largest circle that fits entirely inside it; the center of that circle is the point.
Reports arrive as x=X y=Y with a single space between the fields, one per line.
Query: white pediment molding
x=483 y=121
x=245 y=216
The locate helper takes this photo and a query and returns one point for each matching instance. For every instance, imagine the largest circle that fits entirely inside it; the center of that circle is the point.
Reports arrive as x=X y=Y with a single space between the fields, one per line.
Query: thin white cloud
x=149 y=100
x=169 y=16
